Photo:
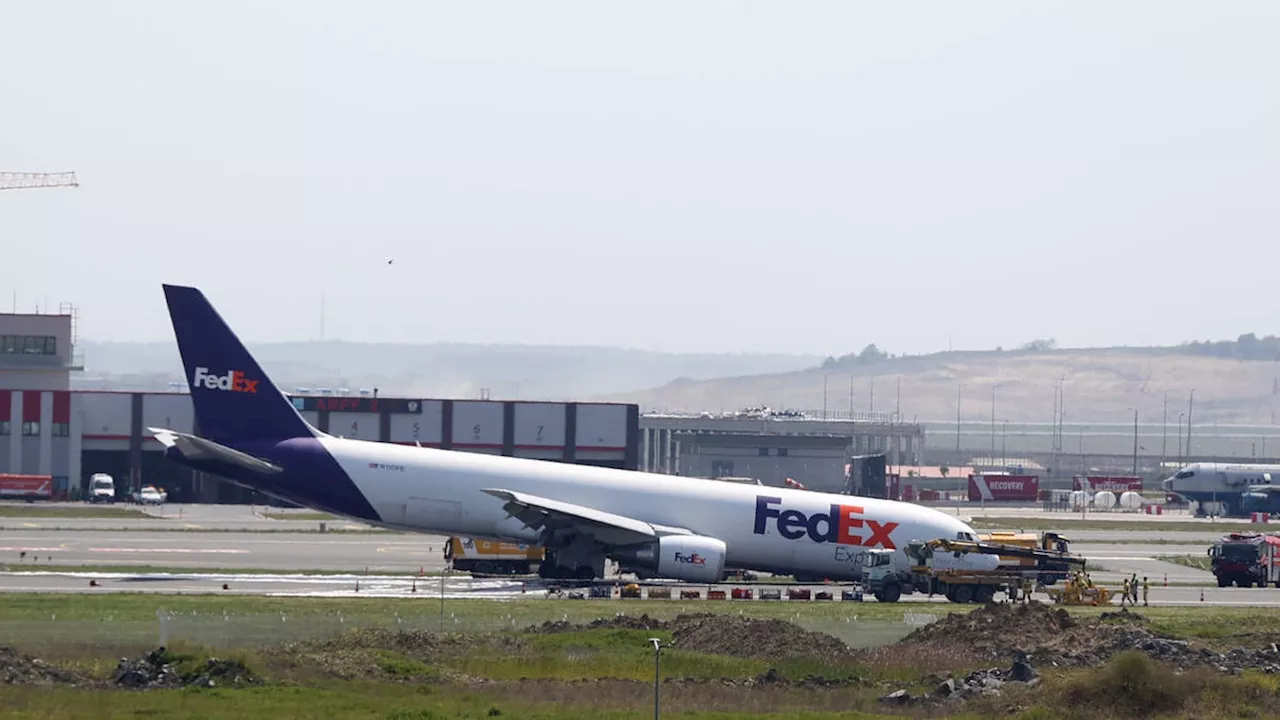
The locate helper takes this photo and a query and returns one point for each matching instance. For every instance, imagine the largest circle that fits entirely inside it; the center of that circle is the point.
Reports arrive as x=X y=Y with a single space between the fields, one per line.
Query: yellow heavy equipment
x=1073 y=593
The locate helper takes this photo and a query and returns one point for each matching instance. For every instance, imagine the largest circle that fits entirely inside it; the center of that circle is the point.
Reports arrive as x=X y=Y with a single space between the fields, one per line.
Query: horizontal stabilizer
x=197 y=448
x=538 y=513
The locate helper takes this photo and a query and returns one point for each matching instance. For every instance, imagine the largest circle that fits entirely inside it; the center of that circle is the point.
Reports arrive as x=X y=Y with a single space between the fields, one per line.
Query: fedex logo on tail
x=233 y=381
x=694 y=559
x=841 y=525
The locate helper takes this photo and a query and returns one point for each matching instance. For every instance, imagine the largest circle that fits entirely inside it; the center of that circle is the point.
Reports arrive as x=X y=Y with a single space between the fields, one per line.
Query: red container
x=1003 y=487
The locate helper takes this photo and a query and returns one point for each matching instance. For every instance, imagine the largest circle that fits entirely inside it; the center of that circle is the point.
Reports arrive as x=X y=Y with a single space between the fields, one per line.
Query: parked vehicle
x=102 y=488
x=148 y=495
x=1246 y=559
x=964 y=571
x=26 y=487
x=489 y=557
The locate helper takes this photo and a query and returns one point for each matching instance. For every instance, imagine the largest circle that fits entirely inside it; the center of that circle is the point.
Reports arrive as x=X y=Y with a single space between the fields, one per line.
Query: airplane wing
x=198 y=448
x=541 y=513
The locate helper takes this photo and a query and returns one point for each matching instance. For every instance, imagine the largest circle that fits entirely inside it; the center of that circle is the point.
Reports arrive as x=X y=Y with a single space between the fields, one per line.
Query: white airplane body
x=659 y=525
x=1237 y=488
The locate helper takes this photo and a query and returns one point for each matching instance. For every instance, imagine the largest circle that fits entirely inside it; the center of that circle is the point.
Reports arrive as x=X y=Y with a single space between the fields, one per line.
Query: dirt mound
x=1044 y=636
x=996 y=631
x=752 y=638
x=620 y=622
x=722 y=635
x=1123 y=615
x=19 y=669
x=160 y=669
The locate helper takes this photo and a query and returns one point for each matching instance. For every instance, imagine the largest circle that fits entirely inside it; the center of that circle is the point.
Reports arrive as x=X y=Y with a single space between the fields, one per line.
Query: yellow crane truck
x=965 y=571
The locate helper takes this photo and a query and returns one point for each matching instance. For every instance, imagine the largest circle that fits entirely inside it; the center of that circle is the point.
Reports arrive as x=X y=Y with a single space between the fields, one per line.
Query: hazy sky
x=738 y=176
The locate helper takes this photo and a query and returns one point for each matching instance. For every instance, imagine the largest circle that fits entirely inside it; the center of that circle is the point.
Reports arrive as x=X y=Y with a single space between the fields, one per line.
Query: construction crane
x=27 y=181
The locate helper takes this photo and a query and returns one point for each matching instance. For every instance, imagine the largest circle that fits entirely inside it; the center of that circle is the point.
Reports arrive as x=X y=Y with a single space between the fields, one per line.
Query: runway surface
x=178 y=517
x=230 y=537
x=287 y=552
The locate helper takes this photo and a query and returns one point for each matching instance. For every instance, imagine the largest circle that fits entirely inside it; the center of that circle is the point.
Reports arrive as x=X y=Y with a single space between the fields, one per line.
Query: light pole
x=993 y=423
x=1180 y=416
x=1135 y=442
x=1004 y=448
x=657 y=674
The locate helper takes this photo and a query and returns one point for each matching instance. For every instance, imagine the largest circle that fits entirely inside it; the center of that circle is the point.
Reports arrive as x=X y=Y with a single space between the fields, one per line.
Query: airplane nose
x=1167 y=483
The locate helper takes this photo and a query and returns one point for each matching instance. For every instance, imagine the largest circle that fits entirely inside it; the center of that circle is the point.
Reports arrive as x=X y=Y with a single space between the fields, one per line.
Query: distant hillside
x=440 y=369
x=1234 y=382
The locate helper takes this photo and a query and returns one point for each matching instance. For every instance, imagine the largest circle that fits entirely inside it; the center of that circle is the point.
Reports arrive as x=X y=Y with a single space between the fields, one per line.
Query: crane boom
x=25 y=181
x=962 y=546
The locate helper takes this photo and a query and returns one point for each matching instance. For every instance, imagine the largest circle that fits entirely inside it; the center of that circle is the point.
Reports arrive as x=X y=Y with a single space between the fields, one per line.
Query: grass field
x=589 y=674
x=143 y=607
x=36 y=608
x=1199 y=562
x=605 y=673
x=73 y=511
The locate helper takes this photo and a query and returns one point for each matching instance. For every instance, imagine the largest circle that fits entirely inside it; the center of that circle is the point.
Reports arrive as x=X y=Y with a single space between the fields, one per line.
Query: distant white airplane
x=1236 y=488
x=658 y=525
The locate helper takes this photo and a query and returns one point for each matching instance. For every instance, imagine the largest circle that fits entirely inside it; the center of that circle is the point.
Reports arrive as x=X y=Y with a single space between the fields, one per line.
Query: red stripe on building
x=61 y=406
x=6 y=398
x=30 y=406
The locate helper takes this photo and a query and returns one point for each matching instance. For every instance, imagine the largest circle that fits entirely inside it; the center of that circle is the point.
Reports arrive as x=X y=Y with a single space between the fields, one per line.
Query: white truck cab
x=889 y=574
x=102 y=488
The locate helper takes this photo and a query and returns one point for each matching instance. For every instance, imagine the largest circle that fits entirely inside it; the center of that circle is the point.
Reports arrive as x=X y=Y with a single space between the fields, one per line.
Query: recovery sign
x=841 y=525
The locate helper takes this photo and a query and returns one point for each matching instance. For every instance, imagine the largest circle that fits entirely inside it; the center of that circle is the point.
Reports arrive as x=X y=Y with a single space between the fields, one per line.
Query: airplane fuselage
x=434 y=491
x=1223 y=483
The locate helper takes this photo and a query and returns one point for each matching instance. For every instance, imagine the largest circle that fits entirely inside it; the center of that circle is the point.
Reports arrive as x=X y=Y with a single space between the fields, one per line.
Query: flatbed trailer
x=978 y=570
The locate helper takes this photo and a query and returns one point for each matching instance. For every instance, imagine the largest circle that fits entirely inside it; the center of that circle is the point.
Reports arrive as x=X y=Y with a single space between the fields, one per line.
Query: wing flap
x=606 y=527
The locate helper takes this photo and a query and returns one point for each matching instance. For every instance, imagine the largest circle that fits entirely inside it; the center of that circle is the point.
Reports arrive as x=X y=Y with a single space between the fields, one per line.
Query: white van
x=102 y=488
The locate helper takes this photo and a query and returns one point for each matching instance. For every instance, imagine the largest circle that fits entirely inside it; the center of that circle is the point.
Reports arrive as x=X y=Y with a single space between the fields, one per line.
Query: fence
x=227 y=631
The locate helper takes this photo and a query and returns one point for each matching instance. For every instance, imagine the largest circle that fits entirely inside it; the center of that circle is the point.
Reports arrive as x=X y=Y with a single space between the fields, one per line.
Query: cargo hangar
x=47 y=428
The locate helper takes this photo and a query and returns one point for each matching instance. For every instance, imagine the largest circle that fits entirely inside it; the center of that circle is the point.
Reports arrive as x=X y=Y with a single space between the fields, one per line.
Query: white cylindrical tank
x=1078 y=499
x=1105 y=499
x=1130 y=500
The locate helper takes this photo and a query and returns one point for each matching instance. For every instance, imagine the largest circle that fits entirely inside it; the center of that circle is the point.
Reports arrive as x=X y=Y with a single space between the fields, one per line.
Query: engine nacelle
x=693 y=558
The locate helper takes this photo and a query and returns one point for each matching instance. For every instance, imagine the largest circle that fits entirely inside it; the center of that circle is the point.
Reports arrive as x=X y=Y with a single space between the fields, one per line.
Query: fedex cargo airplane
x=655 y=525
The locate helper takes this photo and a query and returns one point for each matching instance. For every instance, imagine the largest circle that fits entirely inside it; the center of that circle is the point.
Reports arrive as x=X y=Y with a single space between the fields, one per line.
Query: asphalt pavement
x=232 y=537
x=288 y=552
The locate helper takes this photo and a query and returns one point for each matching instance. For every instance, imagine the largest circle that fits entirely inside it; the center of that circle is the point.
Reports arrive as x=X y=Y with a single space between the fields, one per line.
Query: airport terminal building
x=46 y=428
